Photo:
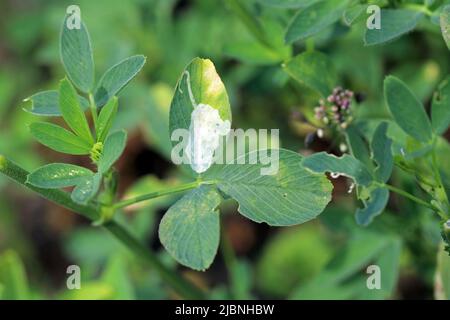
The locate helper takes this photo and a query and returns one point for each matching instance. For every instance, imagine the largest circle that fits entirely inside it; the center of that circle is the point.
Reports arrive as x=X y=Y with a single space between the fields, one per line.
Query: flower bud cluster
x=336 y=109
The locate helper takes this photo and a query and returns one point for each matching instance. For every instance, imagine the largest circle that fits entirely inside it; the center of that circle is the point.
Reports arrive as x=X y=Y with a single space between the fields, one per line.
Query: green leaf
x=382 y=153
x=345 y=277
x=118 y=276
x=117 y=77
x=58 y=175
x=314 y=19
x=105 y=119
x=190 y=229
x=440 y=108
x=13 y=278
x=89 y=291
x=76 y=56
x=314 y=70
x=345 y=267
x=46 y=103
x=358 y=252
x=444 y=21
x=72 y=112
x=59 y=139
x=292 y=195
x=443 y=275
x=112 y=150
x=406 y=109
x=287 y=3
x=291 y=257
x=87 y=189
x=207 y=88
x=374 y=206
x=346 y=165
x=353 y=13
x=358 y=146
x=388 y=259
x=157 y=118
x=253 y=53
x=394 y=23
x=249 y=20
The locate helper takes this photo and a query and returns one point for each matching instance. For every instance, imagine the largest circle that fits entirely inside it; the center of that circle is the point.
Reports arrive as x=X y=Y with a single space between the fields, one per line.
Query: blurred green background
x=325 y=258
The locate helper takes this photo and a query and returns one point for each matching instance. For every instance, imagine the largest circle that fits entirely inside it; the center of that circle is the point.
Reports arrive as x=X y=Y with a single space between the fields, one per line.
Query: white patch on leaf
x=205 y=131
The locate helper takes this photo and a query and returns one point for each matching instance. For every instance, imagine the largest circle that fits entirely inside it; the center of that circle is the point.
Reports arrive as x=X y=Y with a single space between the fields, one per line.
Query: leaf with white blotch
x=59 y=139
x=76 y=56
x=291 y=195
x=105 y=119
x=190 y=229
x=315 y=18
x=407 y=110
x=112 y=150
x=58 y=175
x=46 y=103
x=394 y=23
x=346 y=165
x=382 y=153
x=373 y=206
x=117 y=77
x=444 y=21
x=207 y=88
x=440 y=108
x=86 y=189
x=314 y=70
x=72 y=112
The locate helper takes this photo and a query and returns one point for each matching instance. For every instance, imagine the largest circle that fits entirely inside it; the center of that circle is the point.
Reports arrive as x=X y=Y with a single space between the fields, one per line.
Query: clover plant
x=190 y=229
x=299 y=191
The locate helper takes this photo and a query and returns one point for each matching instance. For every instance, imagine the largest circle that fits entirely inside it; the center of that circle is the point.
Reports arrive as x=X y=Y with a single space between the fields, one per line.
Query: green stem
x=411 y=197
x=184 y=187
x=441 y=191
x=178 y=283
x=93 y=108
